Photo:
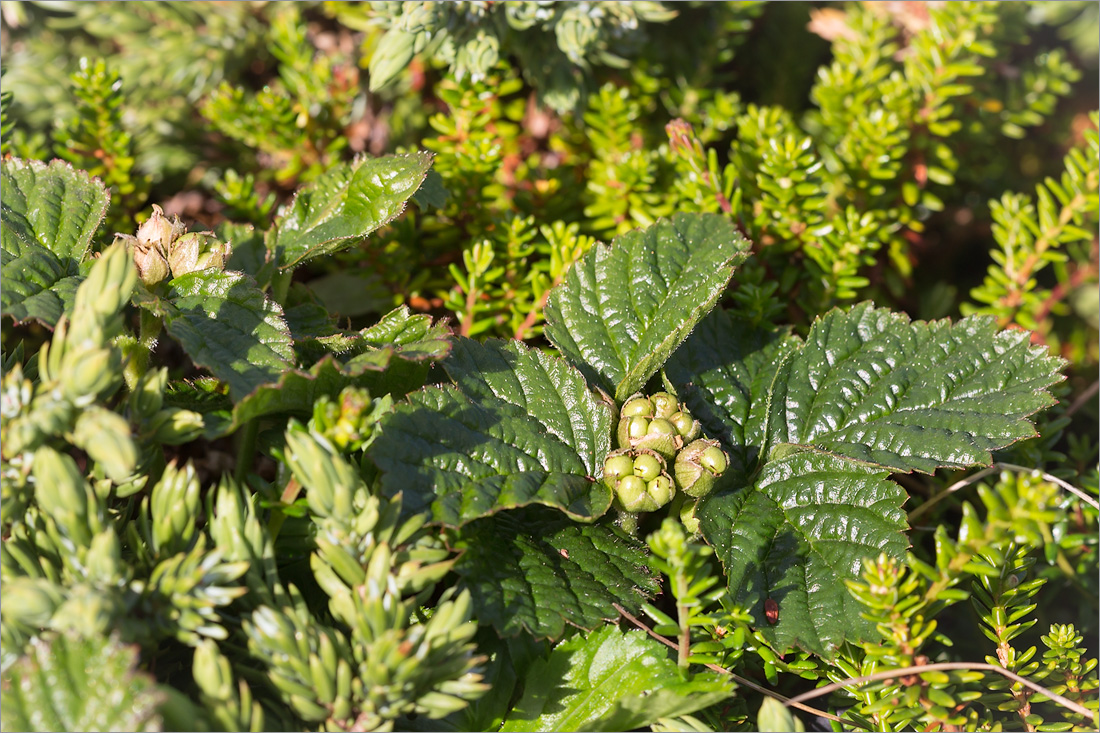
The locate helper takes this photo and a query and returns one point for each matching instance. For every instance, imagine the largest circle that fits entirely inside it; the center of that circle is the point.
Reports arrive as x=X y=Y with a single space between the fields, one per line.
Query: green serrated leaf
x=247 y=252
x=400 y=335
x=296 y=390
x=35 y=286
x=521 y=428
x=353 y=293
x=795 y=534
x=433 y=194
x=871 y=385
x=48 y=216
x=610 y=680
x=723 y=372
x=399 y=348
x=66 y=683
x=62 y=206
x=344 y=205
x=309 y=320
x=224 y=323
x=624 y=309
x=536 y=570
x=536 y=385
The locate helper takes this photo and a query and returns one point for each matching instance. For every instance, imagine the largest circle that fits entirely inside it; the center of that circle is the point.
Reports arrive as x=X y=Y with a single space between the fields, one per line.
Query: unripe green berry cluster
x=658 y=423
x=639 y=479
x=655 y=432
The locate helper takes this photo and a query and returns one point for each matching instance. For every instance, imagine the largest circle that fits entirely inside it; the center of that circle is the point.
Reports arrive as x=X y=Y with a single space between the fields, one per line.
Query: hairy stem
x=141 y=351
x=246 y=449
x=280 y=286
x=278 y=516
x=683 y=615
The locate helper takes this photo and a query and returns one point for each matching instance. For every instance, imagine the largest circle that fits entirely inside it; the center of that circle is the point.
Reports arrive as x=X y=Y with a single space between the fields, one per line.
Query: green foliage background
x=938 y=159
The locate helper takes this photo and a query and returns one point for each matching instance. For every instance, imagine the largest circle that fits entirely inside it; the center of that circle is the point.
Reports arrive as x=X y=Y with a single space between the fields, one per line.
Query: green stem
x=290 y=493
x=683 y=614
x=628 y=521
x=140 y=352
x=280 y=286
x=246 y=449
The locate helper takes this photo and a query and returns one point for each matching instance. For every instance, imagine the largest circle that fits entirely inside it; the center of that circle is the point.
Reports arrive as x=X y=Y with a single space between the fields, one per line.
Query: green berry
x=714 y=460
x=617 y=466
x=664 y=404
x=632 y=494
x=661 y=490
x=686 y=425
x=660 y=426
x=698 y=465
x=661 y=437
x=631 y=430
x=637 y=406
x=648 y=466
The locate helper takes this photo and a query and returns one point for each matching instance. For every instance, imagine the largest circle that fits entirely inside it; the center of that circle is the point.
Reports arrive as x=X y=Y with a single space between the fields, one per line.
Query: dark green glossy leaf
x=344 y=205
x=795 y=535
x=538 y=386
x=35 y=285
x=309 y=321
x=248 y=253
x=521 y=428
x=611 y=681
x=412 y=337
x=724 y=372
x=536 y=570
x=353 y=293
x=384 y=367
x=48 y=216
x=624 y=309
x=399 y=349
x=873 y=386
x=54 y=205
x=433 y=194
x=224 y=323
x=814 y=430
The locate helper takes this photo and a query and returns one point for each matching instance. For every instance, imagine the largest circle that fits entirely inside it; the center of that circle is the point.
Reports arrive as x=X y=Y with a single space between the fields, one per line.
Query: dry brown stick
x=1084 y=397
x=962 y=483
x=740 y=680
x=940 y=666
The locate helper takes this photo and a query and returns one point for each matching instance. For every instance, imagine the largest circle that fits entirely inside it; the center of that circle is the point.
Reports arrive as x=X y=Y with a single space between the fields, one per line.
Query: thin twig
x=740 y=680
x=533 y=314
x=936 y=498
x=1055 y=480
x=1082 y=398
x=940 y=666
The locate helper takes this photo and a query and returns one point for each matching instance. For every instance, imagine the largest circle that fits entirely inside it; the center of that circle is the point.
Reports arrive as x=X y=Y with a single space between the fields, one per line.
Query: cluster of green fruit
x=655 y=432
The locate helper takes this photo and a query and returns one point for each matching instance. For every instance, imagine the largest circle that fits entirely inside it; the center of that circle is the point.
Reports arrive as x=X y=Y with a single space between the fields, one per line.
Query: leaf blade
x=344 y=205
x=535 y=570
x=610 y=680
x=724 y=372
x=519 y=428
x=871 y=385
x=226 y=324
x=623 y=310
x=795 y=534
x=62 y=206
x=48 y=217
